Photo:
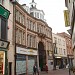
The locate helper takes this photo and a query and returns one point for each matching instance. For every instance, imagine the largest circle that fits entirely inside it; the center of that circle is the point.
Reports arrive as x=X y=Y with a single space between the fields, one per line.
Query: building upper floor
x=32 y=23
x=29 y=28
x=6 y=25
x=33 y=11
x=68 y=42
x=59 y=45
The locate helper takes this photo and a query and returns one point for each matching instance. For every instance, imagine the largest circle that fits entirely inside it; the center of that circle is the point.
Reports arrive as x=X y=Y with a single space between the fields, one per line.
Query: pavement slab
x=57 y=72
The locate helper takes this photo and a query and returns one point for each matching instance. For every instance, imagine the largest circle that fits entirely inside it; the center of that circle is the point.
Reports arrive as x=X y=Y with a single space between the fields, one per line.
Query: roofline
x=31 y=15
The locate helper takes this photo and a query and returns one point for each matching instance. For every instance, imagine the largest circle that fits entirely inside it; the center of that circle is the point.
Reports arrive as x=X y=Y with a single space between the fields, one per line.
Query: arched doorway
x=42 y=56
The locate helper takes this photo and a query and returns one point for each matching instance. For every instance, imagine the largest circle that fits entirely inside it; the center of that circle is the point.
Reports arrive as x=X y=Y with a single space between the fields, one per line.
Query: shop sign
x=50 y=53
x=58 y=57
x=66 y=17
x=26 y=51
x=4 y=12
x=4 y=44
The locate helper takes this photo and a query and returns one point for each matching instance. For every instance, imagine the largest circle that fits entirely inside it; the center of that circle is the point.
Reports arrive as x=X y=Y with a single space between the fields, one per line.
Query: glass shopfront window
x=21 y=65
x=2 y=62
x=31 y=61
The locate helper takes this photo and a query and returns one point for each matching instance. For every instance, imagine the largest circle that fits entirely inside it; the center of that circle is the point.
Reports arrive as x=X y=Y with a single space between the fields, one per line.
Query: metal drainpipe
x=14 y=33
x=26 y=46
x=37 y=58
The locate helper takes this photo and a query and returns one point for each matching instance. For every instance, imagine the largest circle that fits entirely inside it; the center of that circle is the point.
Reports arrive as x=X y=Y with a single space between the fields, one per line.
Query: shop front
x=25 y=59
x=3 y=57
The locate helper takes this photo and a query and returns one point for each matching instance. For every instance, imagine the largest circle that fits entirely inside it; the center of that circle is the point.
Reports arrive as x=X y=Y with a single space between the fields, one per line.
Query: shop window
x=31 y=62
x=20 y=64
x=2 y=62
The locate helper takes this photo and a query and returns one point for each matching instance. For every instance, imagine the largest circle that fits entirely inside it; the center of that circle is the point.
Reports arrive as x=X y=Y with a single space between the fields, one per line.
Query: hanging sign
x=4 y=44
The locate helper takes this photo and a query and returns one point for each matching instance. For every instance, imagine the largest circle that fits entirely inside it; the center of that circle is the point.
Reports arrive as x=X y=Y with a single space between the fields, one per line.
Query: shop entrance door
x=42 y=56
x=2 y=62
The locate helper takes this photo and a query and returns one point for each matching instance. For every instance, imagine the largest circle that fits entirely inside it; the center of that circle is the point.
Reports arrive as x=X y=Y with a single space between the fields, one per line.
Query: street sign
x=66 y=18
x=4 y=12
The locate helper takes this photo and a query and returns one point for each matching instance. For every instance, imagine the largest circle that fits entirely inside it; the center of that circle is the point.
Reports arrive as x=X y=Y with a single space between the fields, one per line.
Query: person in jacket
x=34 y=69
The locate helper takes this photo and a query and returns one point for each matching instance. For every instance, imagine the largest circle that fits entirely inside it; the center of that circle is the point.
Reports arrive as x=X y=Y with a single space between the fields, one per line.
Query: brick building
x=33 y=41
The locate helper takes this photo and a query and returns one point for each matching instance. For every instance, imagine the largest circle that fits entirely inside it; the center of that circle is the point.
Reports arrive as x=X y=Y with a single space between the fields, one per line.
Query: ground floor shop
x=2 y=62
x=3 y=57
x=25 y=59
x=60 y=63
x=21 y=64
x=50 y=64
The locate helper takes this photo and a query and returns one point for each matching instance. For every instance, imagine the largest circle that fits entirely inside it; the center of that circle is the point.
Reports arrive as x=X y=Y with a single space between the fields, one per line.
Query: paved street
x=57 y=72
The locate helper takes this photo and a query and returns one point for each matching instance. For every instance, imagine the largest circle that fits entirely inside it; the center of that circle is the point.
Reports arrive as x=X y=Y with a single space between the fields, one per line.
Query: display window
x=2 y=62
x=21 y=64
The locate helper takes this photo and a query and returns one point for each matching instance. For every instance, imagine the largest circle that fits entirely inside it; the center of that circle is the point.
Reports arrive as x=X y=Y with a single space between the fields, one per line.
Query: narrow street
x=57 y=72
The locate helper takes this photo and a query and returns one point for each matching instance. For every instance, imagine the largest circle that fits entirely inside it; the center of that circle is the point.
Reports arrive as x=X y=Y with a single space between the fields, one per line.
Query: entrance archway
x=42 y=56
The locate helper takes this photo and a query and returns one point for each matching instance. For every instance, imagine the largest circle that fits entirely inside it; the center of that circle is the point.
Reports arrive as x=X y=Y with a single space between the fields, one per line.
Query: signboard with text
x=4 y=12
x=26 y=51
x=66 y=17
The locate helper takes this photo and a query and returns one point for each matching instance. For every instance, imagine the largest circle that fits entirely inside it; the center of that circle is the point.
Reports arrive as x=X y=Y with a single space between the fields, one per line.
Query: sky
x=53 y=10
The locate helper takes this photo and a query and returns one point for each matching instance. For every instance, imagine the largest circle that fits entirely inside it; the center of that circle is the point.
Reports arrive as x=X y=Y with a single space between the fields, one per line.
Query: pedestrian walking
x=46 y=68
x=34 y=69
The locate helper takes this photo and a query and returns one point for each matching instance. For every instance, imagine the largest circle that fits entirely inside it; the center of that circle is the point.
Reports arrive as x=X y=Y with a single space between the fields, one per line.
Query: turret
x=33 y=4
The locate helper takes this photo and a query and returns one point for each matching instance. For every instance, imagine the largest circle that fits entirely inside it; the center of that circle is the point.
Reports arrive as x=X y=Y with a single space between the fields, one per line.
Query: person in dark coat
x=34 y=69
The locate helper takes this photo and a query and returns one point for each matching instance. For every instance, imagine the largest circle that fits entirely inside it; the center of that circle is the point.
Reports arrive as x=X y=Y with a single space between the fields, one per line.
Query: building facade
x=33 y=42
x=5 y=21
x=71 y=8
x=68 y=46
x=60 y=52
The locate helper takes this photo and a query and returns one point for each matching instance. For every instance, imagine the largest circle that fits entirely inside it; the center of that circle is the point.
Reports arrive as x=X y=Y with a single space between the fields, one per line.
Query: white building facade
x=60 y=52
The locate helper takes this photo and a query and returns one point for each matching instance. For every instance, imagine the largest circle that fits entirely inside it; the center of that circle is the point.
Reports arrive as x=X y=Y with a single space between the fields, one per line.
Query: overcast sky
x=53 y=10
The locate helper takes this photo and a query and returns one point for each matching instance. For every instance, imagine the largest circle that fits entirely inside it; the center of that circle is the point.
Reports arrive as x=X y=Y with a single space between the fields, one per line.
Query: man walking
x=34 y=69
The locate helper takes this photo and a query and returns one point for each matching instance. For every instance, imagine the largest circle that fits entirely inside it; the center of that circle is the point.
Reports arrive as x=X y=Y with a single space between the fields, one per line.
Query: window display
x=2 y=62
